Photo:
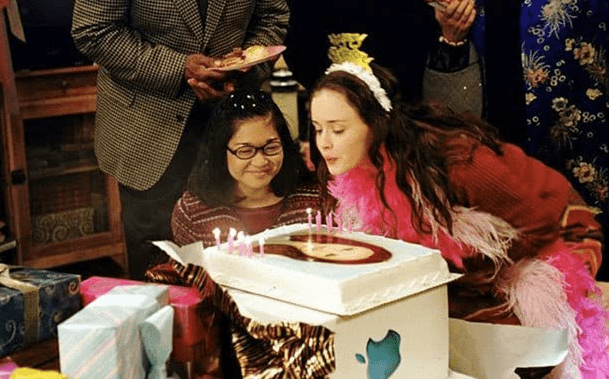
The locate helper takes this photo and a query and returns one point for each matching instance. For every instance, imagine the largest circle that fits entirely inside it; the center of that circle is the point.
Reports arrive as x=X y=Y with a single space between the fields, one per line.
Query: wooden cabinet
x=61 y=208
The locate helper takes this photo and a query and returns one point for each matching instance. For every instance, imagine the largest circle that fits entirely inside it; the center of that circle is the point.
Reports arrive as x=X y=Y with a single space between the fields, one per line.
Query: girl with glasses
x=249 y=174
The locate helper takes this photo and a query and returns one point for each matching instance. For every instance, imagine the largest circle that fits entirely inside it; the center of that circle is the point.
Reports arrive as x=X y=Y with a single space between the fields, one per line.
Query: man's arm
x=102 y=31
x=268 y=26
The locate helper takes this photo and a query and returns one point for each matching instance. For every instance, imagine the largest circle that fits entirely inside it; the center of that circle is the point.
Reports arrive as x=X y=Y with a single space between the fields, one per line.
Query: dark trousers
x=147 y=214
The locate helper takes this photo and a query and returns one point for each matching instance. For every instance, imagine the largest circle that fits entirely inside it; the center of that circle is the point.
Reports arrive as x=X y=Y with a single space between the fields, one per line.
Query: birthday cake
x=385 y=300
x=342 y=273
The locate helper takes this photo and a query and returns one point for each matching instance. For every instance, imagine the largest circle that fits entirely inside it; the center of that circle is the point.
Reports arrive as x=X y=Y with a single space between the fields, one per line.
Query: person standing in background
x=155 y=89
x=544 y=85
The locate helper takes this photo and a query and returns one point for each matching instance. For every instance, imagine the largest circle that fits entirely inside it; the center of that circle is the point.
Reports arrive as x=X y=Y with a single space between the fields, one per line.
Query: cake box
x=385 y=300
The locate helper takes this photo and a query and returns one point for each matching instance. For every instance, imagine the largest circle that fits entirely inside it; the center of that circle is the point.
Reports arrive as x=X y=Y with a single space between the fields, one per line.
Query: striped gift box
x=103 y=339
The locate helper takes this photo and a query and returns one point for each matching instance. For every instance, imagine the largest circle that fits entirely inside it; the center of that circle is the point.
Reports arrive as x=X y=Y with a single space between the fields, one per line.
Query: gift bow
x=157 y=333
x=31 y=304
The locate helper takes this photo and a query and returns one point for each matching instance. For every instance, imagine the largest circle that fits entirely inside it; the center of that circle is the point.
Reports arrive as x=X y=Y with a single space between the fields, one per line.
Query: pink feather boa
x=360 y=202
x=590 y=315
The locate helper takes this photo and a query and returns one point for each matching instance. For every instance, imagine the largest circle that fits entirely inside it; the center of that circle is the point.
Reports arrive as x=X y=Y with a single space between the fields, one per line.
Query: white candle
x=231 y=240
x=310 y=219
x=261 y=244
x=216 y=232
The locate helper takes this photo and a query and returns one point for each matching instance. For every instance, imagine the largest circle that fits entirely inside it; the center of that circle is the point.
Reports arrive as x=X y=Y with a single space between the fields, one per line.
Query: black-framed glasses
x=248 y=152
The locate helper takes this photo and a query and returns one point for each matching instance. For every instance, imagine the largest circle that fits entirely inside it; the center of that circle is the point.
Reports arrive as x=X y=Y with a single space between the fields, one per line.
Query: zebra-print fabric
x=269 y=351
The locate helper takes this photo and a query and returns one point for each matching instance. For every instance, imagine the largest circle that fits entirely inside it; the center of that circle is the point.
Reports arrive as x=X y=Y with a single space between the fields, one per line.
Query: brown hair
x=416 y=138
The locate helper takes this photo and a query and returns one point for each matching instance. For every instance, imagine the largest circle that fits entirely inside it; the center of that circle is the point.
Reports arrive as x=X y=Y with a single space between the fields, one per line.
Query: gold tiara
x=346 y=56
x=345 y=49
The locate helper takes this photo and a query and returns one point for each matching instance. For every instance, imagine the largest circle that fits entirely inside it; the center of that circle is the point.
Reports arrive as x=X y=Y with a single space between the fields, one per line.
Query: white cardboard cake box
x=390 y=316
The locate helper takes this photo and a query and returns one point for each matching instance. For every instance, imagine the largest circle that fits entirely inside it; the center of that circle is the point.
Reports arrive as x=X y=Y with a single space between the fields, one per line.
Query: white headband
x=367 y=77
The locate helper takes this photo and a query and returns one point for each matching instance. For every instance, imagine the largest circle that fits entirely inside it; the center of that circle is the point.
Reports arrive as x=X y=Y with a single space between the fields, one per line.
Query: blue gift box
x=32 y=303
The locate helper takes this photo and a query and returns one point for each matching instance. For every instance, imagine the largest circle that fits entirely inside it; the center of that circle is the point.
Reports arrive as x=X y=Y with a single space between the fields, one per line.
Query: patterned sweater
x=194 y=221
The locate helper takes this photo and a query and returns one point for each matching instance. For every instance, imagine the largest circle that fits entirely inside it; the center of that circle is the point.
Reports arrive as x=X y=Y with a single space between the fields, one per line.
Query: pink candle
x=318 y=221
x=249 y=247
x=339 y=223
x=349 y=230
x=329 y=221
x=240 y=243
x=261 y=245
x=216 y=232
x=231 y=240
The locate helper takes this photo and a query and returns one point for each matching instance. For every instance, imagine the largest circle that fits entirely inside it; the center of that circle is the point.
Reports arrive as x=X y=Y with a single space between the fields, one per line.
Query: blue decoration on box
x=53 y=298
x=383 y=356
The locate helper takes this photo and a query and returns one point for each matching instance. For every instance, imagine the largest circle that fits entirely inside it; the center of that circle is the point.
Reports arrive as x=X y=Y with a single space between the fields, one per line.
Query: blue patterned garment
x=563 y=50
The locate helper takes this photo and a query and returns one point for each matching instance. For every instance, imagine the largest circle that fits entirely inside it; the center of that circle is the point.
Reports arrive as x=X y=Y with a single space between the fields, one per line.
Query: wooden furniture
x=61 y=208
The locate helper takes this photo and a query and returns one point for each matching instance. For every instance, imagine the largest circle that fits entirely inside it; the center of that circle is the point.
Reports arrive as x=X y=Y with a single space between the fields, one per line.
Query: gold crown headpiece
x=345 y=48
x=346 y=56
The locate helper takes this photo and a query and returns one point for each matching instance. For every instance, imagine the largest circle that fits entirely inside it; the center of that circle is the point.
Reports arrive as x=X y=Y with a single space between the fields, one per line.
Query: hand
x=456 y=20
x=207 y=84
x=205 y=91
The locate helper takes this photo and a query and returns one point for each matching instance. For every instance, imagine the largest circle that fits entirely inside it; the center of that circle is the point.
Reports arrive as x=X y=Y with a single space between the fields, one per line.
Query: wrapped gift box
x=103 y=339
x=32 y=303
x=190 y=334
x=7 y=366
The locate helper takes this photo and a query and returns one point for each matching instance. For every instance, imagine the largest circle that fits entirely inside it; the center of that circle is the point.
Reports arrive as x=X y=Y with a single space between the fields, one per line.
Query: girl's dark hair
x=210 y=179
x=415 y=136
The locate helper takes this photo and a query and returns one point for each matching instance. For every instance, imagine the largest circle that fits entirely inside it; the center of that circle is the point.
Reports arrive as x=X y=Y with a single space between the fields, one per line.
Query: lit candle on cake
x=216 y=232
x=318 y=221
x=240 y=242
x=310 y=219
x=231 y=239
x=329 y=221
x=261 y=245
x=249 y=247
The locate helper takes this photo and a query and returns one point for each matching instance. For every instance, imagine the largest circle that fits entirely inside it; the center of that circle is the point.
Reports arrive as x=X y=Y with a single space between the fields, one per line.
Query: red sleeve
x=518 y=188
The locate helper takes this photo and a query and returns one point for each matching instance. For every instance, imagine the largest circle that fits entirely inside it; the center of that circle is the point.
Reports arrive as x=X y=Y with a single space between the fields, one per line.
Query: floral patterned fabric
x=563 y=51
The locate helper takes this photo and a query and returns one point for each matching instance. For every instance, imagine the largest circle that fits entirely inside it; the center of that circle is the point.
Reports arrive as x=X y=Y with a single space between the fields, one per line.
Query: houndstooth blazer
x=141 y=46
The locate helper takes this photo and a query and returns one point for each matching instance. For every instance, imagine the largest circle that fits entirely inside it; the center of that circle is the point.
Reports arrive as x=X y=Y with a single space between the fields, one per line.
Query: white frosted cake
x=385 y=300
x=344 y=284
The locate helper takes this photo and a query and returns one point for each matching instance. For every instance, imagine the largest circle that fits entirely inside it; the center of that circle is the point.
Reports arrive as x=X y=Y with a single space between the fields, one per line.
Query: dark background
x=398 y=36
